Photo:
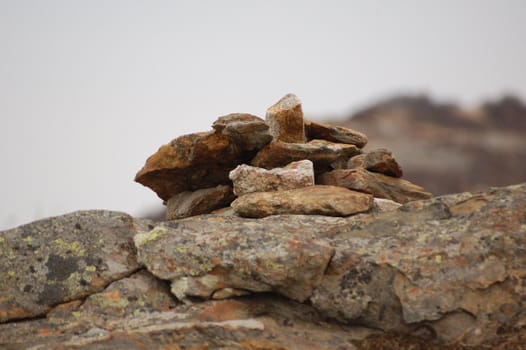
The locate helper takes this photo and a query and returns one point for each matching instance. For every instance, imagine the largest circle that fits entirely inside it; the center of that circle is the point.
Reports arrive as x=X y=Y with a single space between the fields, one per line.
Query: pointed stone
x=312 y=200
x=198 y=202
x=337 y=134
x=285 y=119
x=321 y=153
x=379 y=185
x=249 y=179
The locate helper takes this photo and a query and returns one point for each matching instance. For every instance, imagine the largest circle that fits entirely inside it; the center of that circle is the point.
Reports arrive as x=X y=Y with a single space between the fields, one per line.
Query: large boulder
x=56 y=260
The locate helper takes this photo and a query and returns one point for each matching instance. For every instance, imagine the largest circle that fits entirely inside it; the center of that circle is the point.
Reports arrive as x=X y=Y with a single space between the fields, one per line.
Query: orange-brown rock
x=379 y=160
x=337 y=134
x=203 y=160
x=311 y=200
x=198 y=202
x=322 y=153
x=379 y=185
x=285 y=119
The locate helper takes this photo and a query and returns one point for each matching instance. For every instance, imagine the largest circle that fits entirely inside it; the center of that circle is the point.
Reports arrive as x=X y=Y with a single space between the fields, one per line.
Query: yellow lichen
x=438 y=259
x=2 y=239
x=144 y=238
x=28 y=239
x=73 y=247
x=91 y=268
x=11 y=273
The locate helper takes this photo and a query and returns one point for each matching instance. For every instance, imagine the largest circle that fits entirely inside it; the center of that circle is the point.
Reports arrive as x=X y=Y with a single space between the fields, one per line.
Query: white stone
x=249 y=179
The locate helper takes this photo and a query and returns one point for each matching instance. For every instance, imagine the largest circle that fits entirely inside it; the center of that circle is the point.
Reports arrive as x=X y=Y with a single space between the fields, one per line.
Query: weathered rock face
x=312 y=200
x=56 y=260
x=321 y=153
x=245 y=130
x=285 y=119
x=248 y=179
x=205 y=255
x=202 y=201
x=443 y=273
x=379 y=185
x=336 y=134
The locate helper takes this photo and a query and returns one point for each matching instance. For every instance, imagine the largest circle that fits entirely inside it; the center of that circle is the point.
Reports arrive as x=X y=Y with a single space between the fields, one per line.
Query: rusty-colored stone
x=285 y=119
x=199 y=202
x=336 y=134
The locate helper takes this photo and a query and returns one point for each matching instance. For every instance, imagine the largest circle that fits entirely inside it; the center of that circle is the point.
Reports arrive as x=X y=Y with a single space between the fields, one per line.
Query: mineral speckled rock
x=209 y=253
x=379 y=161
x=336 y=134
x=285 y=119
x=322 y=153
x=198 y=202
x=59 y=259
x=450 y=269
x=248 y=179
x=379 y=185
x=312 y=200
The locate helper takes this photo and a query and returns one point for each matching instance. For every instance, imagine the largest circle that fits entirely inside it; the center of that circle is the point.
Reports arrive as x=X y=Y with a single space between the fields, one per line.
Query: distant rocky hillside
x=446 y=148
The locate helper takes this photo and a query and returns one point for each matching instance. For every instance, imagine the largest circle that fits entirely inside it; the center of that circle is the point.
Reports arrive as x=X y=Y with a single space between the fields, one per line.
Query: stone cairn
x=254 y=168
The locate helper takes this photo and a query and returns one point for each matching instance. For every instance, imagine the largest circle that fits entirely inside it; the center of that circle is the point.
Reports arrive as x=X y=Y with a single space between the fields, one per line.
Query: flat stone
x=382 y=205
x=379 y=161
x=322 y=153
x=198 y=202
x=63 y=258
x=203 y=254
x=312 y=200
x=203 y=160
x=245 y=130
x=336 y=134
x=248 y=179
x=285 y=119
x=379 y=185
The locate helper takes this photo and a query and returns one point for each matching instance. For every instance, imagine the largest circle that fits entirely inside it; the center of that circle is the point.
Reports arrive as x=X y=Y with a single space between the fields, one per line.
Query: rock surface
x=444 y=273
x=60 y=259
x=285 y=119
x=198 y=202
x=379 y=185
x=245 y=130
x=248 y=179
x=336 y=134
x=312 y=200
x=321 y=153
x=379 y=161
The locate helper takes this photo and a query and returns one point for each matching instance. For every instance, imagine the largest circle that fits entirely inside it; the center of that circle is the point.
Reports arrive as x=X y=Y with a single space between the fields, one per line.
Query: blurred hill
x=446 y=148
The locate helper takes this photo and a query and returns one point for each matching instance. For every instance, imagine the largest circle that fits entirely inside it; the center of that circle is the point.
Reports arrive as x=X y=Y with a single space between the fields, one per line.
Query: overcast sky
x=90 y=89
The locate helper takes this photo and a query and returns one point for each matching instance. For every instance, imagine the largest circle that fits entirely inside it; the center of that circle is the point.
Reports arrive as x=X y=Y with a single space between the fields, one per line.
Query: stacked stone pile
x=280 y=165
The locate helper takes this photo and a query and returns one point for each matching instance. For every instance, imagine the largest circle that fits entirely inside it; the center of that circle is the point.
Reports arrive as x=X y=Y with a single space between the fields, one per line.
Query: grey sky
x=89 y=89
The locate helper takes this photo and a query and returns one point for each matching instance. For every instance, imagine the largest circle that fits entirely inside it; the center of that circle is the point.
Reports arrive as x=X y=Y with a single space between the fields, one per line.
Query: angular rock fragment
x=202 y=201
x=378 y=185
x=312 y=200
x=248 y=179
x=321 y=153
x=245 y=130
x=382 y=205
x=210 y=253
x=59 y=259
x=285 y=119
x=336 y=134
x=203 y=160
x=379 y=161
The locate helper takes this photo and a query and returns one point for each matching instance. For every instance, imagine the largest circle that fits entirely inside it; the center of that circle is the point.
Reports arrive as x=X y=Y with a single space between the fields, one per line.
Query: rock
x=237 y=126
x=382 y=205
x=209 y=253
x=59 y=259
x=321 y=153
x=450 y=269
x=379 y=185
x=379 y=161
x=312 y=200
x=336 y=134
x=203 y=160
x=202 y=201
x=248 y=179
x=285 y=119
